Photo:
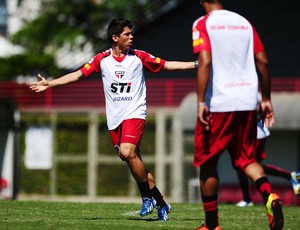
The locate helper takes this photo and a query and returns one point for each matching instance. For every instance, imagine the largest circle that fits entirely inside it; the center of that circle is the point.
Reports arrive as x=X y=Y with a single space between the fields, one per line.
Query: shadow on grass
x=131 y=218
x=95 y=218
x=143 y=219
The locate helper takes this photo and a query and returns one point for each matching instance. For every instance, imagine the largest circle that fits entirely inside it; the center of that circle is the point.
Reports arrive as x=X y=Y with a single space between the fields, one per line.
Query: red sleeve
x=258 y=46
x=200 y=36
x=94 y=64
x=150 y=63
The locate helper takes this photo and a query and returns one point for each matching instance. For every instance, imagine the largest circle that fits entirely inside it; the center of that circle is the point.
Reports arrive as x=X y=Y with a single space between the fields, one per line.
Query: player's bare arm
x=43 y=84
x=178 y=65
x=266 y=104
x=203 y=73
x=262 y=64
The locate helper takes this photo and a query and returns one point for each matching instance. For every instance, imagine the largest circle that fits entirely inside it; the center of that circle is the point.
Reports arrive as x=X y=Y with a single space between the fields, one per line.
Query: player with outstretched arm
x=124 y=87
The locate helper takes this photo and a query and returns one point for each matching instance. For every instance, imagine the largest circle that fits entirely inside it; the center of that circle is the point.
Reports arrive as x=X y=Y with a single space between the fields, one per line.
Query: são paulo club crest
x=119 y=74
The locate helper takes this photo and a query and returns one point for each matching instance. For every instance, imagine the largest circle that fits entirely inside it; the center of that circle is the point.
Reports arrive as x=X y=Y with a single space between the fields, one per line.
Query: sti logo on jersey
x=119 y=74
x=120 y=87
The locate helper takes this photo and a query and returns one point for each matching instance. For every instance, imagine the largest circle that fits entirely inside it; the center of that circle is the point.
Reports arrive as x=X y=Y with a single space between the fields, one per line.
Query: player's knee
x=127 y=152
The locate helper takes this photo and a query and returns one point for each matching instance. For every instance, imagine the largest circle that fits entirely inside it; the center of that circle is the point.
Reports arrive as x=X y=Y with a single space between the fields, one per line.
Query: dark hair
x=116 y=27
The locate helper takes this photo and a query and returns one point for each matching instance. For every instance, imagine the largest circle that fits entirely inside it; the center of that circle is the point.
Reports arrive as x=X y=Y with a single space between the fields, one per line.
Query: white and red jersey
x=123 y=83
x=233 y=41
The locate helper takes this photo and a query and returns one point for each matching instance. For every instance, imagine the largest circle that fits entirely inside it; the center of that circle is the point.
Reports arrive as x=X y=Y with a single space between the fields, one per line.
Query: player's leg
x=163 y=207
x=137 y=168
x=256 y=173
x=244 y=185
x=243 y=178
x=293 y=177
x=206 y=154
x=272 y=201
x=245 y=159
x=276 y=171
x=269 y=169
x=209 y=185
x=126 y=139
x=155 y=191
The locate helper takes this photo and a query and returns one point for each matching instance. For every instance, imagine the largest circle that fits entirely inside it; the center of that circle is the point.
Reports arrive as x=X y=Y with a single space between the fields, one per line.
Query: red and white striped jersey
x=123 y=83
x=233 y=41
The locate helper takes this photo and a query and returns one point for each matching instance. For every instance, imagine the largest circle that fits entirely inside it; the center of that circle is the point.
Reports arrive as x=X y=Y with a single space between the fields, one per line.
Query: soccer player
x=260 y=154
x=227 y=47
x=124 y=87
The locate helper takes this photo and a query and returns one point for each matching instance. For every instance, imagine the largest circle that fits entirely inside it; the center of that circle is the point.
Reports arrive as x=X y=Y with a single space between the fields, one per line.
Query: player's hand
x=268 y=116
x=39 y=86
x=203 y=116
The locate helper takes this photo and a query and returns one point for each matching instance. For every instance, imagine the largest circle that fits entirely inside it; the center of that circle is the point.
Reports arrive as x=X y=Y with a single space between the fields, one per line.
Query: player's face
x=125 y=41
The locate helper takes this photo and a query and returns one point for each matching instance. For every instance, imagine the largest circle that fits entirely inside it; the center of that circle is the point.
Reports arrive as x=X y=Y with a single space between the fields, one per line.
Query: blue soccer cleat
x=147 y=206
x=295 y=180
x=163 y=212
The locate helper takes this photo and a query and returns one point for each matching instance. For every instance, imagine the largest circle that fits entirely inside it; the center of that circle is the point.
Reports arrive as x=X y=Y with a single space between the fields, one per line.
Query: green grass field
x=112 y=216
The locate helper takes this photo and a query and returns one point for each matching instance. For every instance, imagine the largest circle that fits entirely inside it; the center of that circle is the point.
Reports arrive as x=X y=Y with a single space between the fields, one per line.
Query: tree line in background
x=62 y=22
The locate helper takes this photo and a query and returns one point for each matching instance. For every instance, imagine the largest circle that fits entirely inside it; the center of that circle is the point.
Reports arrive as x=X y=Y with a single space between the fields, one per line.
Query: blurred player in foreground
x=229 y=54
x=124 y=86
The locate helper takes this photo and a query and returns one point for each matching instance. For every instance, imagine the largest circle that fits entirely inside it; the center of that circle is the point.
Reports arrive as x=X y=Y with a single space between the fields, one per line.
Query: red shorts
x=232 y=131
x=129 y=131
x=260 y=153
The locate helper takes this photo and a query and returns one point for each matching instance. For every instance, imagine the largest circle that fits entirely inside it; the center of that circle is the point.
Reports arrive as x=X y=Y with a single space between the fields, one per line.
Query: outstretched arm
x=43 y=84
x=179 y=65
